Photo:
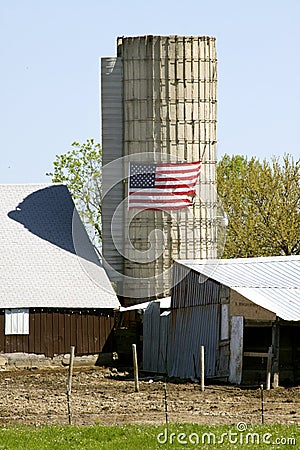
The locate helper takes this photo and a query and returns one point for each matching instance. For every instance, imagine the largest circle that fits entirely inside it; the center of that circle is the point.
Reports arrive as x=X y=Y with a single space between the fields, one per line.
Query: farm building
x=237 y=309
x=54 y=292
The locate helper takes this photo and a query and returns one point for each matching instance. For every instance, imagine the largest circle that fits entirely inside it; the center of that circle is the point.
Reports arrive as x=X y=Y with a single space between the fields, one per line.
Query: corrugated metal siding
x=194 y=322
x=164 y=333
x=54 y=331
x=192 y=290
x=151 y=331
x=156 y=332
x=190 y=328
x=112 y=150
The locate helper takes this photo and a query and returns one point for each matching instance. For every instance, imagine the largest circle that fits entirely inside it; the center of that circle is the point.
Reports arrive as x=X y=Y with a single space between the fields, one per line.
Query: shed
x=54 y=293
x=237 y=309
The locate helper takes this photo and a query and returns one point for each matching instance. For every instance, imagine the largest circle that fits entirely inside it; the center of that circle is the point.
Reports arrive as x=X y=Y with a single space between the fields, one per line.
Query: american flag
x=162 y=186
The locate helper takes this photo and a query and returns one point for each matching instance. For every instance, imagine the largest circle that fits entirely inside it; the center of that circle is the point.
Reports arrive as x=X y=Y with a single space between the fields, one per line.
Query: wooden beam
x=258 y=323
x=258 y=354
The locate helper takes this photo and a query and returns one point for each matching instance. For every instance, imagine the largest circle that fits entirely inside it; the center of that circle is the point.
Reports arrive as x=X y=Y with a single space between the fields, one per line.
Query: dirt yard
x=105 y=397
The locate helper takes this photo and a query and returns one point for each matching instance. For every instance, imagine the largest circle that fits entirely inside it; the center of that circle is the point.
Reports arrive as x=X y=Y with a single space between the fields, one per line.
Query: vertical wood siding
x=54 y=331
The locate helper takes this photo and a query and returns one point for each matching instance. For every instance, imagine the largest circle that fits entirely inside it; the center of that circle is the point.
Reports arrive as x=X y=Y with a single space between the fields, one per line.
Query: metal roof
x=271 y=282
x=46 y=257
x=165 y=303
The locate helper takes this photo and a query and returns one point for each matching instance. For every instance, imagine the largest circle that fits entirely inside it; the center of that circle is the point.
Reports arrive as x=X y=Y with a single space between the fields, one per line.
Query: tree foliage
x=80 y=169
x=262 y=202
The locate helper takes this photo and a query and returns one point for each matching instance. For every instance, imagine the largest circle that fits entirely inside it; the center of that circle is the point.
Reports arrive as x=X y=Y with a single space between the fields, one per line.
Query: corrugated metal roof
x=271 y=282
x=165 y=303
x=46 y=257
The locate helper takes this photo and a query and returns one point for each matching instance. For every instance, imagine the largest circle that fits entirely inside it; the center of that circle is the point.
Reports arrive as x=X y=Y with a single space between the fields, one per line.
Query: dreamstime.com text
x=240 y=436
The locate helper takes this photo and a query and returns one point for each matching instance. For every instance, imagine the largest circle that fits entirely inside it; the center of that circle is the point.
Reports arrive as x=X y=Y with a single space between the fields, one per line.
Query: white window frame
x=16 y=321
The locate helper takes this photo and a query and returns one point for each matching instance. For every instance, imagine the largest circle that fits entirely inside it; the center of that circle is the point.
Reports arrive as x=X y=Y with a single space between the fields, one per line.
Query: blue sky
x=50 y=51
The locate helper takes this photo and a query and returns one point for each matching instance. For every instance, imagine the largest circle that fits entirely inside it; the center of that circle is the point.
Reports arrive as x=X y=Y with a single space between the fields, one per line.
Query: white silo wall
x=169 y=94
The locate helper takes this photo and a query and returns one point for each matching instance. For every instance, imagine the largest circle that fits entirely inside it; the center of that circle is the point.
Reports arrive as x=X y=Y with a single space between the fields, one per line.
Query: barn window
x=17 y=321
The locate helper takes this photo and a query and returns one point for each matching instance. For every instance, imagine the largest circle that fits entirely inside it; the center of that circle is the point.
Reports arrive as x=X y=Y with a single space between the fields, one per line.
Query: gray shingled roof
x=46 y=257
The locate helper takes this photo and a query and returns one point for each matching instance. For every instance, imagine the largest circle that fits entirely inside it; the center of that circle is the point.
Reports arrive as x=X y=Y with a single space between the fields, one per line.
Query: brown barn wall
x=54 y=331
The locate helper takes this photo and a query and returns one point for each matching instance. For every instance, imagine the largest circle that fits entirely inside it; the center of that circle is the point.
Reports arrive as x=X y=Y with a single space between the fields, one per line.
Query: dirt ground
x=105 y=396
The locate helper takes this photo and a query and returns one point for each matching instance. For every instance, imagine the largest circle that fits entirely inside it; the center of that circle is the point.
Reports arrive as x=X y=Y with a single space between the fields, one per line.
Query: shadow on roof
x=51 y=215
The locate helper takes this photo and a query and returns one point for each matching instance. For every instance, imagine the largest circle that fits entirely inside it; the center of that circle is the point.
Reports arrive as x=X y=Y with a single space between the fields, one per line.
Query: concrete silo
x=159 y=98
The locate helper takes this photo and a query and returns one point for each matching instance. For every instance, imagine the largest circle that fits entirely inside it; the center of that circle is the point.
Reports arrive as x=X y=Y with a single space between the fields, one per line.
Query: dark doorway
x=289 y=355
x=257 y=340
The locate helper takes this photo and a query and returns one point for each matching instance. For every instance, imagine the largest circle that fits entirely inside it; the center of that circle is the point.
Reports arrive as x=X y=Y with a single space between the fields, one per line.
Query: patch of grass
x=137 y=437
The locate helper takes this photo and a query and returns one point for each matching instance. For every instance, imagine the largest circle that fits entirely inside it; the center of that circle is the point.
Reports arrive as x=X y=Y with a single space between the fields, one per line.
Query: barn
x=54 y=293
x=242 y=311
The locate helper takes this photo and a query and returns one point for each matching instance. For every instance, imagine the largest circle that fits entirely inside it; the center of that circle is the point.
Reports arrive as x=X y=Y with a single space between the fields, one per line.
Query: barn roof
x=46 y=257
x=165 y=303
x=270 y=282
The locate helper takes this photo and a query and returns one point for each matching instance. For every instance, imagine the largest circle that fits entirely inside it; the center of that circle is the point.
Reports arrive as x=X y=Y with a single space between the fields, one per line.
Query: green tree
x=80 y=169
x=262 y=202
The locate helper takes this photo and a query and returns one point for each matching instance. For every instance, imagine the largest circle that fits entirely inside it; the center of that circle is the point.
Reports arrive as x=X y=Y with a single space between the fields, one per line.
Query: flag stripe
x=187 y=200
x=160 y=193
x=174 y=184
x=143 y=198
x=177 y=166
x=183 y=171
x=159 y=207
x=179 y=179
x=177 y=175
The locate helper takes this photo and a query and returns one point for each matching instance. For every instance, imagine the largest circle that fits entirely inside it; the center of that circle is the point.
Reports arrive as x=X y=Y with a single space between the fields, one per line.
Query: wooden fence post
x=69 y=382
x=269 y=368
x=135 y=368
x=202 y=367
x=262 y=403
x=166 y=404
